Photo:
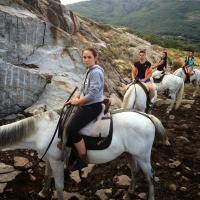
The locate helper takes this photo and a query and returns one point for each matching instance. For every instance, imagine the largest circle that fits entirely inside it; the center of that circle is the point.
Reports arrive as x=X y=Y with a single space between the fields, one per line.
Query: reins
x=34 y=166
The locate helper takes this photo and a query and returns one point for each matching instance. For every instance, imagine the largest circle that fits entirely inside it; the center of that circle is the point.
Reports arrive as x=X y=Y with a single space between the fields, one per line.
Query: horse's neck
x=28 y=133
x=129 y=97
x=28 y=143
x=135 y=97
x=13 y=135
x=180 y=73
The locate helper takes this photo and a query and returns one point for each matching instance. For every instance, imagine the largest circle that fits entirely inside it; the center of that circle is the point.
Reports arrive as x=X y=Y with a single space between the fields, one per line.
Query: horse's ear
x=50 y=115
x=58 y=111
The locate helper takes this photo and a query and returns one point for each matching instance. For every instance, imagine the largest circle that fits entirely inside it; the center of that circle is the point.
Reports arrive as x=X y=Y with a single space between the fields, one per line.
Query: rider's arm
x=133 y=73
x=157 y=65
x=149 y=74
x=76 y=101
x=191 y=63
x=77 y=96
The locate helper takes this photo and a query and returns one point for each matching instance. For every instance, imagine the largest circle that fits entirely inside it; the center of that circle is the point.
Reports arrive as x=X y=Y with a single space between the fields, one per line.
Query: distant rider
x=189 y=65
x=160 y=65
x=142 y=71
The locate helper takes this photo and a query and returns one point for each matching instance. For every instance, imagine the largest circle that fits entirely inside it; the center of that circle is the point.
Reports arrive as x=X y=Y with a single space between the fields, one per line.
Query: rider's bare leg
x=80 y=147
x=151 y=90
x=188 y=73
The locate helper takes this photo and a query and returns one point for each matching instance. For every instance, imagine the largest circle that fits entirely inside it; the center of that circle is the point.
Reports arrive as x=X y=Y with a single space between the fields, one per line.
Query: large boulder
x=19 y=87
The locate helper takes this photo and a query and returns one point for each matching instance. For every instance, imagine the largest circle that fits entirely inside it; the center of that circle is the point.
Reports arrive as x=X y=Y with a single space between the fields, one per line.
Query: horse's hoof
x=42 y=195
x=126 y=197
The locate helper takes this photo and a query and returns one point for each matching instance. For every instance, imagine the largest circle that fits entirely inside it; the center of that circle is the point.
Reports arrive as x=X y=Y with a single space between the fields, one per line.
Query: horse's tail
x=160 y=134
x=179 y=95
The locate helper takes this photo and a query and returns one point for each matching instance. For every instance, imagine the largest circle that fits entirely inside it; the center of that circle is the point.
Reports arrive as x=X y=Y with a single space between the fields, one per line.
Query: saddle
x=98 y=130
x=159 y=78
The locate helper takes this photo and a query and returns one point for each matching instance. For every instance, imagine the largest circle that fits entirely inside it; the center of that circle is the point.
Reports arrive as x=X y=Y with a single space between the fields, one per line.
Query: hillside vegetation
x=120 y=48
x=168 y=19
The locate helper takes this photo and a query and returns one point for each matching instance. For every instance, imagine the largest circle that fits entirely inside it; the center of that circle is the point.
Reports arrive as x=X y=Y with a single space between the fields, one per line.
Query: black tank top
x=161 y=67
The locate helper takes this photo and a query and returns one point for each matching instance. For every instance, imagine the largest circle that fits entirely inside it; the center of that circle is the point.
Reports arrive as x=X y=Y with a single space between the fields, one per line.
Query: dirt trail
x=186 y=176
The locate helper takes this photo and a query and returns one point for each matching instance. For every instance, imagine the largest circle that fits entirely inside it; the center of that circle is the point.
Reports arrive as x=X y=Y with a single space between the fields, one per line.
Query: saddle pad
x=97 y=143
x=158 y=78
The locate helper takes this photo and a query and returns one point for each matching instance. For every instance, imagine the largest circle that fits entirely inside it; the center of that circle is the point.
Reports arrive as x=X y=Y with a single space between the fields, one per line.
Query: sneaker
x=150 y=106
x=187 y=81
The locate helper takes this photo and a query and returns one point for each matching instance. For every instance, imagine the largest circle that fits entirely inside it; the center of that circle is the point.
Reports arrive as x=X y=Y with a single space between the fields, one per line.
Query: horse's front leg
x=134 y=175
x=58 y=174
x=47 y=180
x=196 y=87
x=173 y=99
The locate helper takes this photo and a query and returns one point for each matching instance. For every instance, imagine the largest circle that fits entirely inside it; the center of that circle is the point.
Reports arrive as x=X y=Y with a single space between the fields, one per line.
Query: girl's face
x=190 y=54
x=88 y=59
x=163 y=55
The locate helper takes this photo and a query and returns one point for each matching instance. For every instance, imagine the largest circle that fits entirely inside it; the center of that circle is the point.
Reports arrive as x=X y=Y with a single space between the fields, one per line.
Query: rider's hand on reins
x=67 y=103
x=74 y=102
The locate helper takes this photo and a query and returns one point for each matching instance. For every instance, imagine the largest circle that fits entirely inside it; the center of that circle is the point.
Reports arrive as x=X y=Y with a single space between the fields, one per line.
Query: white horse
x=195 y=78
x=133 y=133
x=136 y=98
x=175 y=85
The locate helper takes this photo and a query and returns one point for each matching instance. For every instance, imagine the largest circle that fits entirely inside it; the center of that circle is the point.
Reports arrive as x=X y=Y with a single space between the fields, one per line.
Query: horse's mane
x=16 y=132
x=126 y=96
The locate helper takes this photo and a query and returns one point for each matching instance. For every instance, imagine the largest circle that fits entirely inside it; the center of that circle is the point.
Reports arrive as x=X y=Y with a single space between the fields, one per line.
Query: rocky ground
x=177 y=171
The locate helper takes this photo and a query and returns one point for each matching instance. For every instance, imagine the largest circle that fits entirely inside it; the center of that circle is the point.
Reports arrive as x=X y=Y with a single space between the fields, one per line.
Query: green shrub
x=177 y=64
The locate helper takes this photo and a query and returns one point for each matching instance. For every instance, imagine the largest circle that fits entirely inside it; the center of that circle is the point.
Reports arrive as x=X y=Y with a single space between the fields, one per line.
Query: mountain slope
x=169 y=18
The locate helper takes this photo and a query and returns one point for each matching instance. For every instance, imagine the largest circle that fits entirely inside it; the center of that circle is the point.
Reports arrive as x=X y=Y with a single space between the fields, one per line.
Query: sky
x=70 y=1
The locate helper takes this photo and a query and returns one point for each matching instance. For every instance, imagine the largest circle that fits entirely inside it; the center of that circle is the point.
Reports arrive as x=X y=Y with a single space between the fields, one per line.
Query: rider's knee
x=150 y=87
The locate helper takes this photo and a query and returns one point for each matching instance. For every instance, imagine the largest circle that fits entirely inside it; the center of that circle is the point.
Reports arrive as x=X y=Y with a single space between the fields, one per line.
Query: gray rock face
x=21 y=34
x=42 y=39
x=38 y=36
x=27 y=40
x=19 y=88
